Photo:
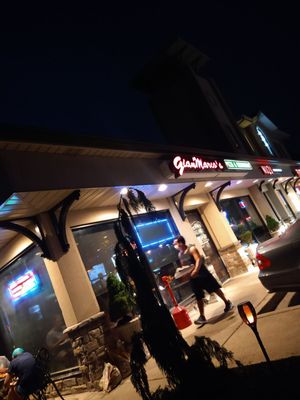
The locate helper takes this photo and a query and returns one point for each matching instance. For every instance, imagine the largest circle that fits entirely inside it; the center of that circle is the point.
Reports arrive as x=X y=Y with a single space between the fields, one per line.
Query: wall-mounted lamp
x=248 y=314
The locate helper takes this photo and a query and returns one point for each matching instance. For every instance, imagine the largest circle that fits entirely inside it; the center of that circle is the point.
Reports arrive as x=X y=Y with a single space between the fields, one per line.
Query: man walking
x=201 y=279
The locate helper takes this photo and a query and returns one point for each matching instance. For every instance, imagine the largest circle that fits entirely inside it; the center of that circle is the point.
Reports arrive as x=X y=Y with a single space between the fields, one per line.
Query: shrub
x=246 y=237
x=241 y=228
x=120 y=302
x=272 y=224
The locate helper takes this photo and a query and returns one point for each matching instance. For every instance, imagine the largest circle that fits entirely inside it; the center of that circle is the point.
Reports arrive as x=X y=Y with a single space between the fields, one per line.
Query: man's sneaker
x=201 y=320
x=229 y=306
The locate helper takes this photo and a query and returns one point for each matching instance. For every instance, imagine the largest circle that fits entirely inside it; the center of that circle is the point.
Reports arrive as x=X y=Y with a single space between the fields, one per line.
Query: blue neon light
x=163 y=232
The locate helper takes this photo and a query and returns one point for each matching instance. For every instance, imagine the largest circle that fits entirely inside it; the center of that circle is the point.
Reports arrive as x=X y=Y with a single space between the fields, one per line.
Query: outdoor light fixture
x=248 y=314
x=208 y=184
x=162 y=187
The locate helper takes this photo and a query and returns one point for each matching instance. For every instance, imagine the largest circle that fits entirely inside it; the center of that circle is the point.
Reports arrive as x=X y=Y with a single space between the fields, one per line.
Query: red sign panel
x=195 y=164
x=267 y=170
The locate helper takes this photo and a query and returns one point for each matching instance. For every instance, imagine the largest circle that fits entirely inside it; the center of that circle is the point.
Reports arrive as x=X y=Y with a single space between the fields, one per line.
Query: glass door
x=207 y=244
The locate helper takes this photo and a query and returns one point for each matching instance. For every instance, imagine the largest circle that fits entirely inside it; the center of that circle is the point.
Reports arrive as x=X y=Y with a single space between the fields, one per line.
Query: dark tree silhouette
x=180 y=362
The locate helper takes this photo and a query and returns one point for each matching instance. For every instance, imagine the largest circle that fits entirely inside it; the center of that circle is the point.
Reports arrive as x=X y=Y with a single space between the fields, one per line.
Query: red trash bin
x=180 y=314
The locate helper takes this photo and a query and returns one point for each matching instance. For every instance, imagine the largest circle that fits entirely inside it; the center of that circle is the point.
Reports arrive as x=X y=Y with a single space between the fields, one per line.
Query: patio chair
x=43 y=376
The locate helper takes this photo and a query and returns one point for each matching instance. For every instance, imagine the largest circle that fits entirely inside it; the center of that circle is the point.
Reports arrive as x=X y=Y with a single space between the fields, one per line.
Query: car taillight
x=262 y=261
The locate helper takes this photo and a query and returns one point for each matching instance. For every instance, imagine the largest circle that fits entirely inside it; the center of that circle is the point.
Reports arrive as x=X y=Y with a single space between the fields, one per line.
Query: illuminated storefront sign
x=195 y=164
x=267 y=170
x=238 y=165
x=242 y=204
x=23 y=285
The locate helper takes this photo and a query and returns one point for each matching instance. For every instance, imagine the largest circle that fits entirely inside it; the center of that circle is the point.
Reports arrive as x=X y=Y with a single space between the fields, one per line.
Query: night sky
x=70 y=69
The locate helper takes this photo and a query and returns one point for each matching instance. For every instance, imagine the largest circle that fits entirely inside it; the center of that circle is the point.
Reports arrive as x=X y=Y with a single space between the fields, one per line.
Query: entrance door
x=208 y=246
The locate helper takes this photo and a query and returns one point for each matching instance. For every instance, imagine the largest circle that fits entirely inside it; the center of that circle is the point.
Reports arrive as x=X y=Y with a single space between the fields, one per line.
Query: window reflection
x=244 y=219
x=28 y=305
x=96 y=245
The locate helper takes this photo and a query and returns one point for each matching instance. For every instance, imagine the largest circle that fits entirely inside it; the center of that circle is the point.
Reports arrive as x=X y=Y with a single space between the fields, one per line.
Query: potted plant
x=120 y=301
x=121 y=308
x=246 y=237
x=272 y=225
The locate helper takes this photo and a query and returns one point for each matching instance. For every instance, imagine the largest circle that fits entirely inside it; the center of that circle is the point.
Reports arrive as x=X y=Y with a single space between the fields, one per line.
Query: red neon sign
x=21 y=286
x=267 y=170
x=195 y=164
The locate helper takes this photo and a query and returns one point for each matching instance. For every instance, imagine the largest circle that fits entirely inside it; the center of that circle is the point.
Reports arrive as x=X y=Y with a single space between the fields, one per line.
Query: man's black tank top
x=187 y=258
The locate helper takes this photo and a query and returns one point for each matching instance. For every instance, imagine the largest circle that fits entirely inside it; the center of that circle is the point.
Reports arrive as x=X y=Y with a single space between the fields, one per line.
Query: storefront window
x=244 y=220
x=30 y=316
x=289 y=211
x=96 y=244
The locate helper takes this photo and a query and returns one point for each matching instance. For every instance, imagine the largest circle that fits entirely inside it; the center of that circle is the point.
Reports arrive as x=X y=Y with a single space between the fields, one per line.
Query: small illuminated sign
x=23 y=285
x=195 y=164
x=238 y=165
x=267 y=170
x=242 y=204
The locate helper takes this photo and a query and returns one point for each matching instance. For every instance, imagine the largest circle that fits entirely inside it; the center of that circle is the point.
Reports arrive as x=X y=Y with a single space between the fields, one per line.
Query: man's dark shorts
x=204 y=281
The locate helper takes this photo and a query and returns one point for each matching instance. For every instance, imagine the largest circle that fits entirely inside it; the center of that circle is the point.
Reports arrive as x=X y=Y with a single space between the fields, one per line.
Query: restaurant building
x=59 y=202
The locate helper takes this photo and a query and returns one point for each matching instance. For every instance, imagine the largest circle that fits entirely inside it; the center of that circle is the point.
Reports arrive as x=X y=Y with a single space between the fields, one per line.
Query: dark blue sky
x=70 y=68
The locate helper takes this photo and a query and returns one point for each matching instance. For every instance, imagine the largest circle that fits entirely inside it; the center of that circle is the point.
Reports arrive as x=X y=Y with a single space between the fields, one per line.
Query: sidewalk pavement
x=279 y=331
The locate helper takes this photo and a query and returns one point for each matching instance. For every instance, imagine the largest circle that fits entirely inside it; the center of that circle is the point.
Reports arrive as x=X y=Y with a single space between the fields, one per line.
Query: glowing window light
x=23 y=285
x=163 y=227
x=7 y=206
x=264 y=139
x=14 y=199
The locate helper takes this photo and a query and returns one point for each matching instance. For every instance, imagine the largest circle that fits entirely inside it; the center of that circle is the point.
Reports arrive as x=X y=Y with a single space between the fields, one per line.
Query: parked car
x=278 y=260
